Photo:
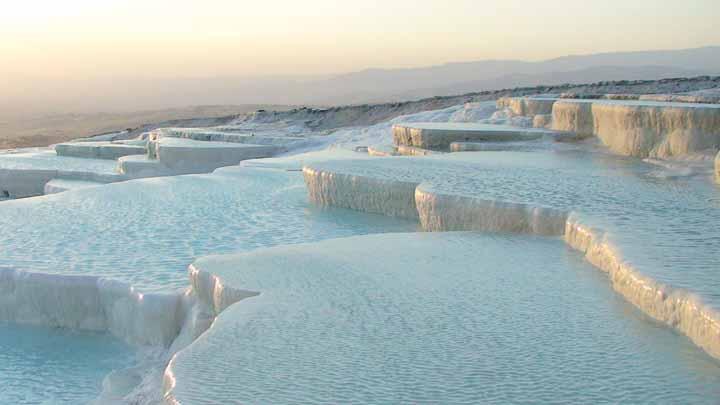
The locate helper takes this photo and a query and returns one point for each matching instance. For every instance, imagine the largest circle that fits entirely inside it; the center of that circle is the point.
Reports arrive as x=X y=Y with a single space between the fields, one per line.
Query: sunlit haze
x=80 y=40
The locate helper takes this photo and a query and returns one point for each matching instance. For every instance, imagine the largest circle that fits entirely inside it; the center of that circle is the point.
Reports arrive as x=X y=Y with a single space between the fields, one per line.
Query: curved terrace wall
x=368 y=194
x=647 y=130
x=573 y=116
x=438 y=137
x=526 y=106
x=92 y=304
x=447 y=212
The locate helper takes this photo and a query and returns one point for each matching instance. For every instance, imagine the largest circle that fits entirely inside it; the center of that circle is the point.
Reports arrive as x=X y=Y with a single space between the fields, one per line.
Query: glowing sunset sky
x=153 y=38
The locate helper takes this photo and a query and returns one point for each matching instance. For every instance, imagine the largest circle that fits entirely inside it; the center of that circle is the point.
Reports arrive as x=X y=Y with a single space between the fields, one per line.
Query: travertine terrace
x=463 y=239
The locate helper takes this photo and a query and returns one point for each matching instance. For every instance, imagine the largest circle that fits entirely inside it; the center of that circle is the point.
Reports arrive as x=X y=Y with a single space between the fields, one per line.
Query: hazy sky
x=152 y=38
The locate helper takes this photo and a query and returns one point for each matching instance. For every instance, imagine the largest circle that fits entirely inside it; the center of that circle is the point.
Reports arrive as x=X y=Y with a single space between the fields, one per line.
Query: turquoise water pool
x=56 y=366
x=453 y=318
x=146 y=232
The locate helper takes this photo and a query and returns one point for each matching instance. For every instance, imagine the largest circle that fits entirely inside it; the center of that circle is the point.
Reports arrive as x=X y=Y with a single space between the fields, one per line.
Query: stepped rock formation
x=635 y=127
x=573 y=116
x=440 y=136
x=444 y=196
x=527 y=106
x=657 y=130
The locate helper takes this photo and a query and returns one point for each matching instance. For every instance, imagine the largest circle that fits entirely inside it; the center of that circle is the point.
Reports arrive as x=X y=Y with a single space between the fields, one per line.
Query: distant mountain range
x=586 y=75
x=458 y=78
x=371 y=85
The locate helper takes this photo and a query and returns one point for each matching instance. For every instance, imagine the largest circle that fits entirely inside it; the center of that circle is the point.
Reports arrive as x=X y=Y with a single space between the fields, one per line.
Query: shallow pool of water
x=663 y=220
x=452 y=318
x=48 y=160
x=146 y=232
x=56 y=366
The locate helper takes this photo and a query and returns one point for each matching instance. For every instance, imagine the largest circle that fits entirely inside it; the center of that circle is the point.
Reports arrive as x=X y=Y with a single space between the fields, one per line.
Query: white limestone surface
x=682 y=98
x=396 y=187
x=405 y=150
x=423 y=318
x=89 y=303
x=474 y=112
x=296 y=162
x=677 y=308
x=382 y=150
x=350 y=138
x=573 y=116
x=212 y=135
x=495 y=146
x=121 y=266
x=139 y=166
x=534 y=192
x=190 y=156
x=25 y=174
x=441 y=135
x=99 y=150
x=145 y=232
x=645 y=129
x=55 y=186
x=168 y=156
x=527 y=106
x=49 y=160
x=392 y=195
x=542 y=121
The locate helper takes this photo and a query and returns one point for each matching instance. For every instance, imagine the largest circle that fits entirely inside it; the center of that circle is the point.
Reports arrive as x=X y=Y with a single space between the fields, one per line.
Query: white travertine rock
x=21 y=183
x=98 y=150
x=527 y=106
x=139 y=166
x=642 y=128
x=681 y=98
x=441 y=212
x=399 y=189
x=717 y=168
x=657 y=130
x=382 y=150
x=491 y=146
x=573 y=116
x=89 y=303
x=542 y=121
x=441 y=135
x=55 y=186
x=433 y=307
x=405 y=150
x=189 y=156
x=204 y=134
x=370 y=194
x=469 y=192
x=676 y=308
x=168 y=156
x=25 y=174
x=474 y=112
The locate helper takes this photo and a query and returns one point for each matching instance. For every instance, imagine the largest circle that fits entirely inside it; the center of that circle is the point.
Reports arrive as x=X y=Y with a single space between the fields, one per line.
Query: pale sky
x=183 y=38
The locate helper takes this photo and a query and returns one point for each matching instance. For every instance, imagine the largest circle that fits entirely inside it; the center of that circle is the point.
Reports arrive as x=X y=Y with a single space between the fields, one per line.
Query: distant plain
x=21 y=131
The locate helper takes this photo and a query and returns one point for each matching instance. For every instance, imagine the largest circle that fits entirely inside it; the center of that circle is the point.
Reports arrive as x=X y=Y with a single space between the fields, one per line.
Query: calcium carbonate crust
x=442 y=211
x=526 y=106
x=655 y=126
x=642 y=128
